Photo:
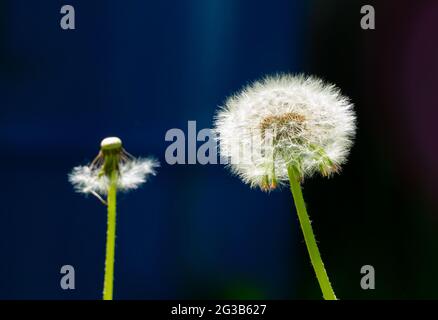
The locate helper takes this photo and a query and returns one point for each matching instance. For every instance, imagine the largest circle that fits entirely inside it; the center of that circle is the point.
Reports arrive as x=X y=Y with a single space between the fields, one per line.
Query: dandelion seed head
x=131 y=172
x=285 y=120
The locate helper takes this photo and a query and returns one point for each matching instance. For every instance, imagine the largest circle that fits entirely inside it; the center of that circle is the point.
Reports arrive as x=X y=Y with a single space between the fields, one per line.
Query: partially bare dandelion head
x=131 y=172
x=285 y=120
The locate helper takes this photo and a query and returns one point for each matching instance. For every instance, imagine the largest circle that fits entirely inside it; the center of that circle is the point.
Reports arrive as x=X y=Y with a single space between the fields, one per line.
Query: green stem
x=110 y=238
x=309 y=237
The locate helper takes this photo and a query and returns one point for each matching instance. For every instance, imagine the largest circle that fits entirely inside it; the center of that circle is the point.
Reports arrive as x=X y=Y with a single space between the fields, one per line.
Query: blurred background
x=136 y=69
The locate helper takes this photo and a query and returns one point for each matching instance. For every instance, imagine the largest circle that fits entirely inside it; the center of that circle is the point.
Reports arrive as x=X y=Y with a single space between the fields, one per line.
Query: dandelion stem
x=309 y=237
x=110 y=238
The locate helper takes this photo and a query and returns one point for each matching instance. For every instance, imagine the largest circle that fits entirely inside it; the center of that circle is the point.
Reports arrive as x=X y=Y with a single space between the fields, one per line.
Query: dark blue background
x=135 y=69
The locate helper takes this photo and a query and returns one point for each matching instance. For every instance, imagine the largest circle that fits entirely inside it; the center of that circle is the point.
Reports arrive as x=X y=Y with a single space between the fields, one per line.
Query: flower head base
x=111 y=143
x=95 y=177
x=281 y=121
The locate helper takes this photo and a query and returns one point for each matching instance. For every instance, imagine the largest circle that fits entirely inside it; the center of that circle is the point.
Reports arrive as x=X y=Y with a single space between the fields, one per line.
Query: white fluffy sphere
x=285 y=120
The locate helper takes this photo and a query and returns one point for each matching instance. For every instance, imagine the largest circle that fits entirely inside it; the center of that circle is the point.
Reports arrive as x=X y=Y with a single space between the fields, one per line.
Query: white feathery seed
x=86 y=179
x=283 y=120
x=135 y=172
x=132 y=173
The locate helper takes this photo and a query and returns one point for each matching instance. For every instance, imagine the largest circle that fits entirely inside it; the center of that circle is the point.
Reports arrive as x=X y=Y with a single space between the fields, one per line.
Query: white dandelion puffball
x=281 y=121
x=132 y=172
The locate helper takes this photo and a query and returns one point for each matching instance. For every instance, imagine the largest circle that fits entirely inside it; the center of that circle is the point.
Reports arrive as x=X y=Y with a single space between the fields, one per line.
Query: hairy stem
x=309 y=237
x=110 y=238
